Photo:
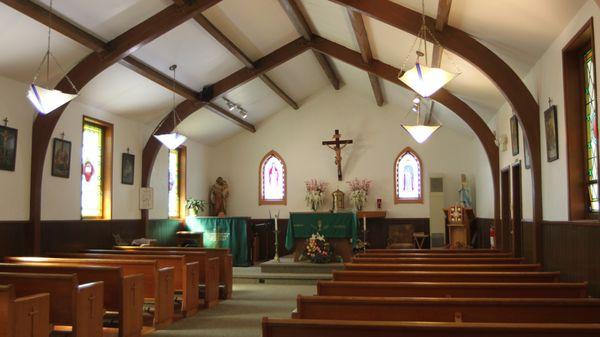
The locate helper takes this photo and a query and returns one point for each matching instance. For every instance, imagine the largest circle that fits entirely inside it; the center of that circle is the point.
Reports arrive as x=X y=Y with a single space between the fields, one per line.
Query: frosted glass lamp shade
x=46 y=100
x=420 y=133
x=171 y=140
x=425 y=80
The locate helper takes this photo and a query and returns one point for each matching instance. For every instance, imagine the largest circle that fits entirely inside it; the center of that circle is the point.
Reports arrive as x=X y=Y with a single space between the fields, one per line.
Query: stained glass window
x=591 y=122
x=272 y=179
x=174 y=184
x=92 y=157
x=407 y=172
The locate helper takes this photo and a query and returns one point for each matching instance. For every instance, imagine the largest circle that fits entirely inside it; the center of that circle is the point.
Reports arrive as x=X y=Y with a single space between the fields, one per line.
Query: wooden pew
x=335 y=328
x=68 y=303
x=123 y=294
x=206 y=274
x=158 y=282
x=224 y=255
x=418 y=309
x=25 y=316
x=444 y=276
x=436 y=251
x=443 y=260
x=443 y=267
x=452 y=289
x=186 y=274
x=440 y=256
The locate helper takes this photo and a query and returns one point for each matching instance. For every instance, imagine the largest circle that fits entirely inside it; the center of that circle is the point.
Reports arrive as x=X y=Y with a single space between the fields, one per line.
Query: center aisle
x=241 y=315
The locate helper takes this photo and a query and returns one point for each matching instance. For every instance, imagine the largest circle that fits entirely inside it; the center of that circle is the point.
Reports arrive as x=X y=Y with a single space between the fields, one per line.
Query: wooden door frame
x=503 y=230
x=517 y=208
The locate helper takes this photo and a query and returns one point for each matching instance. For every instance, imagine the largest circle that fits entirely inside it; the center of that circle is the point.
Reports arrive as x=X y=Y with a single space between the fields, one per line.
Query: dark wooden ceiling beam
x=237 y=120
x=242 y=57
x=362 y=38
x=92 y=65
x=299 y=21
x=441 y=21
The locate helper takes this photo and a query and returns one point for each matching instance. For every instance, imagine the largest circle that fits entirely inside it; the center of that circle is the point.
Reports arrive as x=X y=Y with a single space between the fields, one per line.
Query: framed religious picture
x=551 y=133
x=127 y=169
x=146 y=197
x=8 y=148
x=526 y=153
x=61 y=158
x=514 y=135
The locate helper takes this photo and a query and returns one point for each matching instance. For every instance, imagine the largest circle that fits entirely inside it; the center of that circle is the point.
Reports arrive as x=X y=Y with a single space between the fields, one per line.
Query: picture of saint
x=8 y=148
x=61 y=158
x=127 y=169
x=552 y=133
x=514 y=135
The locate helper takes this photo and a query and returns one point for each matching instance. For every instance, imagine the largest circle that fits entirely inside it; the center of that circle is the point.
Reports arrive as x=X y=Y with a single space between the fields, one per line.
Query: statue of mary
x=464 y=194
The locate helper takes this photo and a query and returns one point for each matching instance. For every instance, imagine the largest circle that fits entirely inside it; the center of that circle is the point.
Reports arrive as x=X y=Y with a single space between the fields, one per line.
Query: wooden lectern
x=458 y=221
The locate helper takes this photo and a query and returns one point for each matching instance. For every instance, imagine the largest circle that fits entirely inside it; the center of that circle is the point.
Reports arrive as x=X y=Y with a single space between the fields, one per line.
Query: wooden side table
x=186 y=237
x=419 y=238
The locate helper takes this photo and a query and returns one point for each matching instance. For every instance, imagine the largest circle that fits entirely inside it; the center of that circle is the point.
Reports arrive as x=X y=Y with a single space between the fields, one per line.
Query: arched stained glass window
x=408 y=177
x=272 y=180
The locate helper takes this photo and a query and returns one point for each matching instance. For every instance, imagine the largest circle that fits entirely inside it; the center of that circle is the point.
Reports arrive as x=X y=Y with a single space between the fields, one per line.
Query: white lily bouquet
x=359 y=189
x=315 y=193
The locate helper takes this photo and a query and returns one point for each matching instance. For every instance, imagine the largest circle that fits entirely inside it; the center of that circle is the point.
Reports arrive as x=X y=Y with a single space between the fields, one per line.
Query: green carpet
x=240 y=316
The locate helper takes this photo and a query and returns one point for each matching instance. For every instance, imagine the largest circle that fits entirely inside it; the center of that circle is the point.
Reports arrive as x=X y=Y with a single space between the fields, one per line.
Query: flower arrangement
x=318 y=250
x=359 y=189
x=195 y=206
x=315 y=192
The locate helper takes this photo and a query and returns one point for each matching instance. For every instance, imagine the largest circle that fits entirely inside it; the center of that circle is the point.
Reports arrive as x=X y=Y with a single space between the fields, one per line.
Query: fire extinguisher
x=493 y=237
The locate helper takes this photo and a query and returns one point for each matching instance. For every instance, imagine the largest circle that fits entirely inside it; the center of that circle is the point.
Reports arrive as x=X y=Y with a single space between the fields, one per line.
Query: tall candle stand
x=276 y=232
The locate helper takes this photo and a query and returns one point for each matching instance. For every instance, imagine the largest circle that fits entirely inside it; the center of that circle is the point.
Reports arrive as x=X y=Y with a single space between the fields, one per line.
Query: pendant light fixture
x=419 y=132
x=424 y=78
x=47 y=100
x=174 y=139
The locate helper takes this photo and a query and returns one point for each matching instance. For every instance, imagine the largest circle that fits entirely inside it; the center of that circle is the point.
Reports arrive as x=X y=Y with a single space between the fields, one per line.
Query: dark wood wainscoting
x=164 y=231
x=378 y=229
x=574 y=249
x=13 y=238
x=528 y=240
x=482 y=229
x=74 y=235
x=264 y=234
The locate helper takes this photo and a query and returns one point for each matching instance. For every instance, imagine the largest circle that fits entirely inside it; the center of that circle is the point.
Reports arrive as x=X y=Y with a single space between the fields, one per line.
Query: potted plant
x=359 y=189
x=195 y=206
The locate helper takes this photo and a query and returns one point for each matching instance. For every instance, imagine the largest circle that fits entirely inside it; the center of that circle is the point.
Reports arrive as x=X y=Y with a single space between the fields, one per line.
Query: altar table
x=227 y=232
x=339 y=229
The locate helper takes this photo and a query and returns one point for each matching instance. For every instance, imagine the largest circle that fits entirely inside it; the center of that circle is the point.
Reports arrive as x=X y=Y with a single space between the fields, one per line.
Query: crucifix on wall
x=337 y=145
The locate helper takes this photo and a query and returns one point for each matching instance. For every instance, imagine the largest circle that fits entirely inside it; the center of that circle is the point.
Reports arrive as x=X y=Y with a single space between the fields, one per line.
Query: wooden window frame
x=398 y=200
x=107 y=166
x=181 y=182
x=573 y=82
x=261 y=199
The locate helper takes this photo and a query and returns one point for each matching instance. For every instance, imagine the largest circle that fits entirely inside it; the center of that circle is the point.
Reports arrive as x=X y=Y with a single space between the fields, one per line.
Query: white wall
x=61 y=197
x=378 y=138
x=14 y=199
x=546 y=80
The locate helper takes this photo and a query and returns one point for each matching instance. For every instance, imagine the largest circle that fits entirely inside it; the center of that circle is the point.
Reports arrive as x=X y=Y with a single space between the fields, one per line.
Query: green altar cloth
x=330 y=225
x=229 y=232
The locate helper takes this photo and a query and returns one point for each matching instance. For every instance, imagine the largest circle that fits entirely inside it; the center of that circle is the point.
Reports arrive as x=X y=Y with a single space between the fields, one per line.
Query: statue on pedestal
x=464 y=194
x=219 y=192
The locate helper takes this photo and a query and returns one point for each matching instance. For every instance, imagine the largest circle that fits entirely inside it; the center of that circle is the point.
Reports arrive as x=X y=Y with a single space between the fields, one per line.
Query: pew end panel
x=132 y=306
x=191 y=286
x=164 y=309
x=211 y=282
x=90 y=305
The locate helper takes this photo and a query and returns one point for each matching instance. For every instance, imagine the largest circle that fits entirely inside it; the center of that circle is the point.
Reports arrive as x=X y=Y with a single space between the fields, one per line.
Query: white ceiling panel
x=123 y=92
x=257 y=27
x=300 y=77
x=107 y=19
x=330 y=21
x=200 y=59
x=24 y=44
x=207 y=127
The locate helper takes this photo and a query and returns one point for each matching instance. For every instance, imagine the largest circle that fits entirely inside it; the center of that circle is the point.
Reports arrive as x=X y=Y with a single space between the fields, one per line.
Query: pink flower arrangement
x=359 y=185
x=314 y=185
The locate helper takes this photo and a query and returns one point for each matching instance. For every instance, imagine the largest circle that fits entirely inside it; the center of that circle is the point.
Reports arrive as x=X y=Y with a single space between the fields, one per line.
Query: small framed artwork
x=8 y=148
x=127 y=169
x=61 y=158
x=527 y=153
x=514 y=135
x=551 y=133
x=146 y=198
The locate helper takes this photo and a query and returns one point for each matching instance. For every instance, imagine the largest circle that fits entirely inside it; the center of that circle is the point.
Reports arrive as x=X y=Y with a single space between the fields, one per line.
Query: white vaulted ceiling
x=518 y=31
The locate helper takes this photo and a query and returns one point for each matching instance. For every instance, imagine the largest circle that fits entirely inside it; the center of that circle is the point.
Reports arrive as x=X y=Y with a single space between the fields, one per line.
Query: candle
x=365 y=224
x=276 y=225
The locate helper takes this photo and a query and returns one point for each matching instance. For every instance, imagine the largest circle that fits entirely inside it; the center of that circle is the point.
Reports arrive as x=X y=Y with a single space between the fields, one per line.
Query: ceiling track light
x=235 y=106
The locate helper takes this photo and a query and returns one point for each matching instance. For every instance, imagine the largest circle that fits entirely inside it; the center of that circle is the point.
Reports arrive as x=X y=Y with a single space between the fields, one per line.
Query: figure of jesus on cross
x=337 y=145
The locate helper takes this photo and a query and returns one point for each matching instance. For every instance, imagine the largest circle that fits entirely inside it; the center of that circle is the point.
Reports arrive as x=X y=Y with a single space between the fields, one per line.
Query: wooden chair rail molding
x=452 y=289
x=443 y=260
x=330 y=328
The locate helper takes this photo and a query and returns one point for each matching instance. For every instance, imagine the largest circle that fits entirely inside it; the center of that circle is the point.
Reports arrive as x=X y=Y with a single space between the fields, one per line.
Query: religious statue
x=219 y=192
x=464 y=194
x=337 y=145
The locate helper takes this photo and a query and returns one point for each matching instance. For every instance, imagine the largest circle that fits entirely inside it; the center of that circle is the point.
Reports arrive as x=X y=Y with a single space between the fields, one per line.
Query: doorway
x=517 y=206
x=503 y=237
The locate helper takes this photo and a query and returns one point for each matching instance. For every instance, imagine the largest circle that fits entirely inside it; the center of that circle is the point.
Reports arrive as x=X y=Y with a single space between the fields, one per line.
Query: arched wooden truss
x=118 y=50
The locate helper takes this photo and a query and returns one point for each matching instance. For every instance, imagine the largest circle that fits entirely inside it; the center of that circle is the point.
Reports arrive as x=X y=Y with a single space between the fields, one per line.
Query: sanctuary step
x=286 y=271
